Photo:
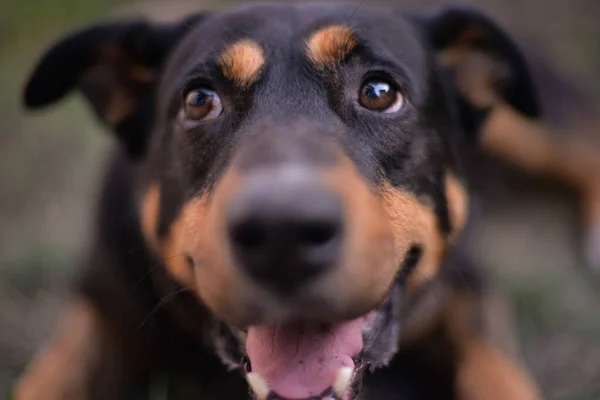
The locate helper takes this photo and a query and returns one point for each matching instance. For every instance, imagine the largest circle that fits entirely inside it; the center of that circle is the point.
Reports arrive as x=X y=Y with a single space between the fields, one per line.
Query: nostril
x=318 y=233
x=249 y=235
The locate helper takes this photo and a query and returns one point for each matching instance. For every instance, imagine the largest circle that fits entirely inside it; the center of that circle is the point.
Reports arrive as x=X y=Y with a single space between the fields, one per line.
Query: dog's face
x=315 y=158
x=301 y=167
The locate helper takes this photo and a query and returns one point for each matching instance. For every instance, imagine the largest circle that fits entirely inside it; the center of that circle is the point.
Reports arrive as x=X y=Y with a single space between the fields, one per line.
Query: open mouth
x=302 y=360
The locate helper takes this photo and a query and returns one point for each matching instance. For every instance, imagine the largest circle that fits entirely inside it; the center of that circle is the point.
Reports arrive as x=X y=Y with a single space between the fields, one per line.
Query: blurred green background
x=50 y=162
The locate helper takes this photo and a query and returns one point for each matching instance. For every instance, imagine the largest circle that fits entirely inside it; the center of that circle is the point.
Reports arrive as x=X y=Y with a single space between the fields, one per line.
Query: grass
x=49 y=162
x=47 y=159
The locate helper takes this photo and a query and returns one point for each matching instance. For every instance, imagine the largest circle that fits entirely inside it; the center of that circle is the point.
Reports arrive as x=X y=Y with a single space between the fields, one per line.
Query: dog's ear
x=483 y=63
x=116 y=67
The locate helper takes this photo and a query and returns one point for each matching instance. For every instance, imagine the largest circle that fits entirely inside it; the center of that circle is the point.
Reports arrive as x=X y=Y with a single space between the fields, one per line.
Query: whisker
x=161 y=304
x=428 y=281
x=355 y=10
x=153 y=268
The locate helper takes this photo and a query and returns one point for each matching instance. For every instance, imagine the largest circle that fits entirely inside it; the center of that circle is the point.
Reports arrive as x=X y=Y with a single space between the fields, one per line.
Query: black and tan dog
x=285 y=206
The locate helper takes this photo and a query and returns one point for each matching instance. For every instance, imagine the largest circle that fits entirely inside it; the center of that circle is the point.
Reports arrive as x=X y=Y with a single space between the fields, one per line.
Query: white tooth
x=342 y=381
x=258 y=385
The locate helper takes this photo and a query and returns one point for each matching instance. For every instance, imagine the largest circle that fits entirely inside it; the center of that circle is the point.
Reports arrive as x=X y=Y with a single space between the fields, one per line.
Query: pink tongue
x=299 y=361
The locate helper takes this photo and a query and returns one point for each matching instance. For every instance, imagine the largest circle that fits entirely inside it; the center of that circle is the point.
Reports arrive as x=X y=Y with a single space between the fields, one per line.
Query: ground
x=50 y=162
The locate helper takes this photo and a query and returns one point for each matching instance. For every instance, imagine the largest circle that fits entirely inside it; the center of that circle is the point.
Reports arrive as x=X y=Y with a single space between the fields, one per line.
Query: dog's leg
x=498 y=323
x=531 y=146
x=485 y=372
x=591 y=224
x=85 y=360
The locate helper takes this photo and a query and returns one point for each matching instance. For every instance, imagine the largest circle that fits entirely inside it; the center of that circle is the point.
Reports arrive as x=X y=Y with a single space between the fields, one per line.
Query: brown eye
x=202 y=104
x=380 y=96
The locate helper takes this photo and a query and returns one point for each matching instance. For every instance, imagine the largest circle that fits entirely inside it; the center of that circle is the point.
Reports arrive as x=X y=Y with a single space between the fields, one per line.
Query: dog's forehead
x=285 y=28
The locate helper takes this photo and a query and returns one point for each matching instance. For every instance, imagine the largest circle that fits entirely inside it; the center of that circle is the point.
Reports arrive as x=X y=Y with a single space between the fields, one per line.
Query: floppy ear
x=484 y=65
x=116 y=67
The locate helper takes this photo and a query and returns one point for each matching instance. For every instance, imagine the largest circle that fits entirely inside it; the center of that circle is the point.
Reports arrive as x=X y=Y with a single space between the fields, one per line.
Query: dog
x=283 y=215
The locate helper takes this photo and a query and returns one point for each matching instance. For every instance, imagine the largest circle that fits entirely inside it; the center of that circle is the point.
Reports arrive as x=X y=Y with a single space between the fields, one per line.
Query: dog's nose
x=285 y=228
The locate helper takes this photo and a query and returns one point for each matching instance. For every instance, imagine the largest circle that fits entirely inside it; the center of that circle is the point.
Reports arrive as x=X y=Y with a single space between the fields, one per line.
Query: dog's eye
x=202 y=104
x=379 y=95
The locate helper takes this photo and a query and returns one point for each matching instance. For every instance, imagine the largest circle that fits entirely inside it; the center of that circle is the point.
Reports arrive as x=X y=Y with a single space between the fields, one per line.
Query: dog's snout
x=285 y=228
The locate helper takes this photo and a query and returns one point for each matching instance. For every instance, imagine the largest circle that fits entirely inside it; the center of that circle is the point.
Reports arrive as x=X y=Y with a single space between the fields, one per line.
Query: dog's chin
x=307 y=360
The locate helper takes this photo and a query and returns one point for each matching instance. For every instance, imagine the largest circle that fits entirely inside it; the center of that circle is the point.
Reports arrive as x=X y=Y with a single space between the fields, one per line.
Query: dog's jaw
x=342 y=380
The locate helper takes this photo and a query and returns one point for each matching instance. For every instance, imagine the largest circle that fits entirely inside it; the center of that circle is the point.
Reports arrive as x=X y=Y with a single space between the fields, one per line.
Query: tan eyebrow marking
x=242 y=62
x=330 y=45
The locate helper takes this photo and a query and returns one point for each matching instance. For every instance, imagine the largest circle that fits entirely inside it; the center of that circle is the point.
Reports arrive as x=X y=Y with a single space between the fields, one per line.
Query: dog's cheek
x=203 y=241
x=175 y=257
x=458 y=205
x=217 y=280
x=168 y=248
x=414 y=225
x=149 y=209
